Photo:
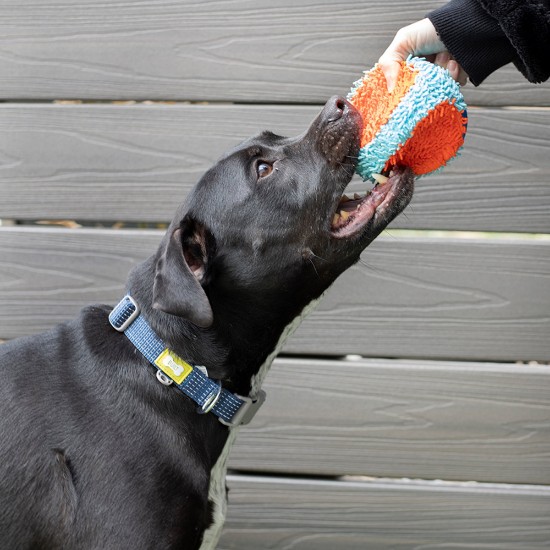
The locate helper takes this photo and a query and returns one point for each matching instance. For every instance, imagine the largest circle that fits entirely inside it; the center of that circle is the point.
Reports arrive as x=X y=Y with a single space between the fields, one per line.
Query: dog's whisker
x=371 y=267
x=387 y=233
x=320 y=258
x=315 y=269
x=349 y=171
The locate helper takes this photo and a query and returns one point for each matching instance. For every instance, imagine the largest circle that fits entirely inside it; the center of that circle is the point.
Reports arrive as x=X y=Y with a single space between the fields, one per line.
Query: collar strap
x=231 y=409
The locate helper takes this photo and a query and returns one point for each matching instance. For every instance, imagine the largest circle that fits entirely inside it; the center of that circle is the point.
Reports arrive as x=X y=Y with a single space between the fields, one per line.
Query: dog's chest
x=217 y=493
x=259 y=377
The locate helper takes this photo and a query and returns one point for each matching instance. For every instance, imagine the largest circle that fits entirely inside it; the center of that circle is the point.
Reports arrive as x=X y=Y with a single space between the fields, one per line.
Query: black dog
x=95 y=452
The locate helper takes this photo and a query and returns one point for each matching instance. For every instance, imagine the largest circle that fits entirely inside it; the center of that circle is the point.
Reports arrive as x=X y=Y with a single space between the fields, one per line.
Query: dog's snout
x=336 y=107
x=336 y=130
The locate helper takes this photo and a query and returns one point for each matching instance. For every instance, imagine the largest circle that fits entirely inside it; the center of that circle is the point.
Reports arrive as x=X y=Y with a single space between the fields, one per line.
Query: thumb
x=420 y=38
x=390 y=60
x=391 y=69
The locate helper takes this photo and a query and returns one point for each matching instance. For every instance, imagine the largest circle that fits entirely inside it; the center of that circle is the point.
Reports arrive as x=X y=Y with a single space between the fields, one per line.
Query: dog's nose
x=335 y=108
x=336 y=130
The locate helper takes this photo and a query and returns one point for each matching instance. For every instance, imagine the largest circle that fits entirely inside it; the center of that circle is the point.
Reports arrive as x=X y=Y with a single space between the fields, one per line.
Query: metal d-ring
x=163 y=379
x=210 y=403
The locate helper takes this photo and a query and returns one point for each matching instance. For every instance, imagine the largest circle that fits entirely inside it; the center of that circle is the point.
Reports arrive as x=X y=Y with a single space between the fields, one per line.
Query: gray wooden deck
x=439 y=436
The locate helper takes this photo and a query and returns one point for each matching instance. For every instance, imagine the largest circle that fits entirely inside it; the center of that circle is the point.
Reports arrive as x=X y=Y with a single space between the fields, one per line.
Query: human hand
x=419 y=39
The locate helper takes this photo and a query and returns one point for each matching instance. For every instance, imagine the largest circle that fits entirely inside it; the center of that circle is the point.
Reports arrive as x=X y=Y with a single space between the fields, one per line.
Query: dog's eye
x=263 y=168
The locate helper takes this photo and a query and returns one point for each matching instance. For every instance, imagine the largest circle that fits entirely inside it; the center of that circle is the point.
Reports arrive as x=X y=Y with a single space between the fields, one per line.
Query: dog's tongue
x=349 y=205
x=360 y=209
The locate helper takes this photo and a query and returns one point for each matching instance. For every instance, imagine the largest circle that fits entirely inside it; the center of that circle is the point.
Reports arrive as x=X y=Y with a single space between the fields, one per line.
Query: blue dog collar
x=231 y=409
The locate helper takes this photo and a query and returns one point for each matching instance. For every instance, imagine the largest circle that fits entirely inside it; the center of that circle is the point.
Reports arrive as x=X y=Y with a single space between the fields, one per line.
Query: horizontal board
x=408 y=297
x=245 y=50
x=84 y=162
x=438 y=298
x=283 y=514
x=383 y=418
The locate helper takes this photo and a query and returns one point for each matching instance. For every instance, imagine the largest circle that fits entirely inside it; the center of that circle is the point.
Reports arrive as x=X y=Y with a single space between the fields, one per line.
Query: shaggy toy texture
x=420 y=124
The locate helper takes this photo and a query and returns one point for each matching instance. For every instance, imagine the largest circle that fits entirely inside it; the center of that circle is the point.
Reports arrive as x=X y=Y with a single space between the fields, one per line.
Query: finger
x=462 y=76
x=457 y=72
x=391 y=69
x=442 y=59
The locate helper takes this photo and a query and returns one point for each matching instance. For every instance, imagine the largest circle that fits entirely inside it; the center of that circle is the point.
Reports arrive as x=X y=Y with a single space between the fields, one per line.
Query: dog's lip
x=378 y=206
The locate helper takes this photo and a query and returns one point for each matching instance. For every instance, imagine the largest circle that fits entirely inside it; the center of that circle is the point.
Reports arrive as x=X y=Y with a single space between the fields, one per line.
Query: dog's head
x=268 y=223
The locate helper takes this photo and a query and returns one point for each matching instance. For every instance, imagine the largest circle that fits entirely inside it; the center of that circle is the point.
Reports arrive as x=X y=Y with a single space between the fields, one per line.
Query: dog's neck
x=240 y=345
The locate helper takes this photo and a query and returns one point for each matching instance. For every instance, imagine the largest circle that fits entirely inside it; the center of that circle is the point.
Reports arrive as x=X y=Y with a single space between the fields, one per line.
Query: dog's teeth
x=344 y=215
x=357 y=196
x=345 y=198
x=379 y=178
x=335 y=219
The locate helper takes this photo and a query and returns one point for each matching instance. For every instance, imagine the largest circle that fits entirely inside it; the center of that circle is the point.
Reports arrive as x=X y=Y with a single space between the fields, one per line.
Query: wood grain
x=428 y=298
x=401 y=418
x=454 y=298
x=85 y=162
x=284 y=514
x=247 y=51
x=47 y=275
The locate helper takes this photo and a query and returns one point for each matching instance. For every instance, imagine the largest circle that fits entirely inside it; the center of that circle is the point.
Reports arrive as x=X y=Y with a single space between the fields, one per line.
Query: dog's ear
x=180 y=269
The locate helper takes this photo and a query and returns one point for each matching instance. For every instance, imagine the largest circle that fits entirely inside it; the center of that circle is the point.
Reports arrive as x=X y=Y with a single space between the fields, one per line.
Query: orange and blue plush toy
x=421 y=123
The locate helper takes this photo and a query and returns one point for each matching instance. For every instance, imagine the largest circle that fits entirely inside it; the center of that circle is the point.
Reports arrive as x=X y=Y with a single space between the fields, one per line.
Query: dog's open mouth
x=377 y=207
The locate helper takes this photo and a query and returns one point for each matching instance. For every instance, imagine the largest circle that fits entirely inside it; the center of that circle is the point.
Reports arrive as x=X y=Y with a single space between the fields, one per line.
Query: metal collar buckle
x=128 y=320
x=248 y=410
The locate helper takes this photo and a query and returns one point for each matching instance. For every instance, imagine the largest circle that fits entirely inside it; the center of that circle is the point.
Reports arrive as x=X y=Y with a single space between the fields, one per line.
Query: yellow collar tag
x=173 y=366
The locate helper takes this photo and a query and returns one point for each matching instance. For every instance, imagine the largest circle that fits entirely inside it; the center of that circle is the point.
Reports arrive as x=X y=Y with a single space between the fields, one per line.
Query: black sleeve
x=526 y=24
x=484 y=35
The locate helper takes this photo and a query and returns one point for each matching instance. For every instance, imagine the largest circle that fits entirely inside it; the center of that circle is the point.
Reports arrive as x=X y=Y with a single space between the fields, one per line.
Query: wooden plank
x=414 y=419
x=282 y=514
x=425 y=297
x=289 y=51
x=84 y=162
x=47 y=275
x=438 y=298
